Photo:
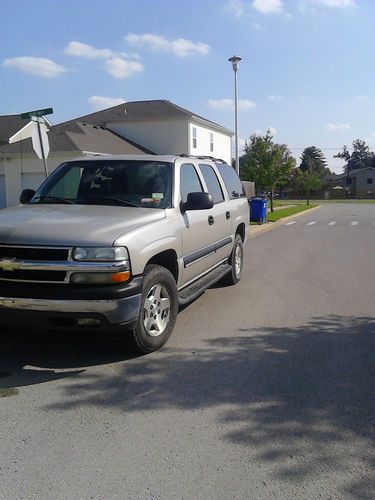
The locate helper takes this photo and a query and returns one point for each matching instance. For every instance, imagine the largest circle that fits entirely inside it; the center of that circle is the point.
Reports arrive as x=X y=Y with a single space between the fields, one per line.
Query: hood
x=71 y=225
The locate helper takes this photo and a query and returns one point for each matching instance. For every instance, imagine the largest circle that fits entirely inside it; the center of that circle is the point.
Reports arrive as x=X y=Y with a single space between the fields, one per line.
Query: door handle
x=211 y=220
x=227 y=215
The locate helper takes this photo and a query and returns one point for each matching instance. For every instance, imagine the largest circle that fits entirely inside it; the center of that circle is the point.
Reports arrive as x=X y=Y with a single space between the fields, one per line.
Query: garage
x=32 y=181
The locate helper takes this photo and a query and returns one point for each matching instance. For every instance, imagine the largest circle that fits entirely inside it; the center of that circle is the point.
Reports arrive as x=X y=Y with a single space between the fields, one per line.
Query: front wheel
x=158 y=311
x=236 y=262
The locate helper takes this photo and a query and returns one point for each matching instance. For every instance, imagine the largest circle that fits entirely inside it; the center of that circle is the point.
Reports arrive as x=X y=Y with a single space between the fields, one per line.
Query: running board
x=196 y=288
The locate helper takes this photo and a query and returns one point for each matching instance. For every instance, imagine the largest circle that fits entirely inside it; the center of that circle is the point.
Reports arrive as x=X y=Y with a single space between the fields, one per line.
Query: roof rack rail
x=203 y=157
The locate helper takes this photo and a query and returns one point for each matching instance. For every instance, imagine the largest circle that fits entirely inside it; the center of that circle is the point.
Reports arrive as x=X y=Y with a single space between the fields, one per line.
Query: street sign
x=40 y=140
x=37 y=112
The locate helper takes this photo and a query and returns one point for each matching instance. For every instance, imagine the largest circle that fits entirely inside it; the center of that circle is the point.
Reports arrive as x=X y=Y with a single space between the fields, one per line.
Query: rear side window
x=231 y=180
x=189 y=181
x=213 y=184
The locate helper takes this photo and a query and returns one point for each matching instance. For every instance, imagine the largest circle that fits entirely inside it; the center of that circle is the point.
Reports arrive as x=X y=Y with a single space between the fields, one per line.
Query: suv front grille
x=37 y=255
x=34 y=253
x=45 y=276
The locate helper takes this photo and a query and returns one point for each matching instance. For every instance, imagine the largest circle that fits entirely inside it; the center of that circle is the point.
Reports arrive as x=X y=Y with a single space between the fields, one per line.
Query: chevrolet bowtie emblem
x=9 y=264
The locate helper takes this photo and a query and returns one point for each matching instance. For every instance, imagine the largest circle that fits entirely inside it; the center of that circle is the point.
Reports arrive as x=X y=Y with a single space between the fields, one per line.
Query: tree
x=313 y=159
x=309 y=181
x=267 y=164
x=361 y=157
x=312 y=171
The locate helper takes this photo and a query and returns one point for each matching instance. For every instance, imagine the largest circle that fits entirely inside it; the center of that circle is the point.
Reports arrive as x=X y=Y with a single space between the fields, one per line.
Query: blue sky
x=307 y=72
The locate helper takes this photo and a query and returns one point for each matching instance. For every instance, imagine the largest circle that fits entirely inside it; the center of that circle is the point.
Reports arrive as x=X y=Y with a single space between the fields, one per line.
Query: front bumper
x=59 y=306
x=114 y=311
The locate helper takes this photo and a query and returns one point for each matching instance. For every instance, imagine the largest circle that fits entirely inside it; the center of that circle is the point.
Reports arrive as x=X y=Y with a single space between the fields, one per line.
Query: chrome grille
x=34 y=253
x=33 y=256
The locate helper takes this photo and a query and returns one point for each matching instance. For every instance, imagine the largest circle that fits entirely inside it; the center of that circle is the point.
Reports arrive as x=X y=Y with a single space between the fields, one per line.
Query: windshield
x=134 y=183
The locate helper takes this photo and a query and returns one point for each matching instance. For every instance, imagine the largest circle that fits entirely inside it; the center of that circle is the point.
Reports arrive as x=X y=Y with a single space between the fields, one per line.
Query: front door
x=198 y=233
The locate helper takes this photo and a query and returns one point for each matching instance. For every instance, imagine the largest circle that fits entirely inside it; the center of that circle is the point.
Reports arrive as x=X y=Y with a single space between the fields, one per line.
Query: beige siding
x=161 y=137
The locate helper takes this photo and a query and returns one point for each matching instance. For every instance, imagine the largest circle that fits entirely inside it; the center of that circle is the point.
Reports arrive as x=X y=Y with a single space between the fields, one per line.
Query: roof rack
x=203 y=157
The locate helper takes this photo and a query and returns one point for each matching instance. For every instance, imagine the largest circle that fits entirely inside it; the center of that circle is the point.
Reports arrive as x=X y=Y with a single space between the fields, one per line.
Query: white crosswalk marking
x=332 y=223
x=311 y=223
x=354 y=223
x=290 y=223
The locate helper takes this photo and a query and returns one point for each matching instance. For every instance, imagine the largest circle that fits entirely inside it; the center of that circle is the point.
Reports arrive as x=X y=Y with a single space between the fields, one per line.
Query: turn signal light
x=121 y=277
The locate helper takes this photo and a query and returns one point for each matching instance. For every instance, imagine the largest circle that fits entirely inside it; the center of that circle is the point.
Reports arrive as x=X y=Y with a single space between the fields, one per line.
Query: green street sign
x=37 y=112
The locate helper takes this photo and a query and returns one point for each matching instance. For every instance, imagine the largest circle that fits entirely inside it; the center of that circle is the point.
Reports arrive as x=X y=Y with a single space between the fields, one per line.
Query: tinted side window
x=189 y=181
x=212 y=182
x=231 y=181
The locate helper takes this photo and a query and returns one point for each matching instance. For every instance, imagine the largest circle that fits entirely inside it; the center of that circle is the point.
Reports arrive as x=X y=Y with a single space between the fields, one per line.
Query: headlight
x=102 y=254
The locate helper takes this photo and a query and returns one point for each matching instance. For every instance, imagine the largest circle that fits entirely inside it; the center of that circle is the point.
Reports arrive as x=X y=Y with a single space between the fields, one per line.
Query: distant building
x=360 y=183
x=152 y=127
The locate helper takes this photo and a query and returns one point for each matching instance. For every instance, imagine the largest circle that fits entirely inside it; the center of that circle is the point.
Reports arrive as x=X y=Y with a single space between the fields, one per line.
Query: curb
x=253 y=231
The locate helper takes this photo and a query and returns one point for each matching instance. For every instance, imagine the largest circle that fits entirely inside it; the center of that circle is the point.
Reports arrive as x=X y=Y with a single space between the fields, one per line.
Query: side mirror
x=197 y=201
x=26 y=195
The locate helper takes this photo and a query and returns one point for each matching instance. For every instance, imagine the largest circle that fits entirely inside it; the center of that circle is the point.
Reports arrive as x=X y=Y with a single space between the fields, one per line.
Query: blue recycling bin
x=258 y=210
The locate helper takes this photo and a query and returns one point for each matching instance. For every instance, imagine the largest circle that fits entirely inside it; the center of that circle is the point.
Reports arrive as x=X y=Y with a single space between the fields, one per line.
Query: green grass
x=280 y=203
x=286 y=212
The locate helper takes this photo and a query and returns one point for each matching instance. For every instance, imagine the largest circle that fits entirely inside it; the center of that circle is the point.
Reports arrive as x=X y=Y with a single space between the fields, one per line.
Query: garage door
x=32 y=181
x=3 y=200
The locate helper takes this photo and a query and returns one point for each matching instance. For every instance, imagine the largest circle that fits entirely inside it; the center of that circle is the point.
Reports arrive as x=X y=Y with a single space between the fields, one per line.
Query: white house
x=165 y=128
x=153 y=127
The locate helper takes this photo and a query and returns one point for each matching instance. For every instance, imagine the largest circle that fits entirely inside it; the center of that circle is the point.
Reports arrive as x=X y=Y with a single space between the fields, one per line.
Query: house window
x=369 y=180
x=194 y=138
x=348 y=181
x=211 y=142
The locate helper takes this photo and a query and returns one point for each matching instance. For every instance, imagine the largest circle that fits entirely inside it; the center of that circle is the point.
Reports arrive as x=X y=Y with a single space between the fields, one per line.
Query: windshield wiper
x=109 y=198
x=58 y=198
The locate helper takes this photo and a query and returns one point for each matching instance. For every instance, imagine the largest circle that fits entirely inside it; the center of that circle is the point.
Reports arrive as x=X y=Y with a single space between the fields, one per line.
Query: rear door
x=237 y=204
x=221 y=225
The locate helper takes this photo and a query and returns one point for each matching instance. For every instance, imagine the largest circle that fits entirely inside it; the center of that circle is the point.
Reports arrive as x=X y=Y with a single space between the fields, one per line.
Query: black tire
x=158 y=281
x=234 y=276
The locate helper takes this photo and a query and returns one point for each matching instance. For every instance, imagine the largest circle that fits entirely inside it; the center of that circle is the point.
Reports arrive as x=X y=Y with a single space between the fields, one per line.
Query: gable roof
x=354 y=172
x=146 y=110
x=71 y=136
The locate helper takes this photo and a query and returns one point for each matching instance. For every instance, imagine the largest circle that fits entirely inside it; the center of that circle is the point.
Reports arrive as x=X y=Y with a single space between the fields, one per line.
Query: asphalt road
x=265 y=390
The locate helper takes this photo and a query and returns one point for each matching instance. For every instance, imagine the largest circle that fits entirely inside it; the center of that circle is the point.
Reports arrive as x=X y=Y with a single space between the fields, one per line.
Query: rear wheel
x=236 y=262
x=158 y=311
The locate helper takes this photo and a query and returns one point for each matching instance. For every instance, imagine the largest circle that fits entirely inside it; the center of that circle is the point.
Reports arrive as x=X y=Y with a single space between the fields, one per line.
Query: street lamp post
x=235 y=60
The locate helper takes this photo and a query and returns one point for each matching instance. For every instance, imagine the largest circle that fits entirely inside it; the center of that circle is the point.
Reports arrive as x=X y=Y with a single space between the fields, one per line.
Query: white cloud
x=36 y=66
x=275 y=97
x=243 y=104
x=236 y=7
x=78 y=49
x=267 y=6
x=180 y=47
x=120 y=68
x=361 y=97
x=97 y=102
x=335 y=3
x=339 y=126
x=271 y=130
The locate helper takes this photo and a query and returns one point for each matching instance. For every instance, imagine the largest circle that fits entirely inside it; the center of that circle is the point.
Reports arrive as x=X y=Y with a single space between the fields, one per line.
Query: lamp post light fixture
x=235 y=62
